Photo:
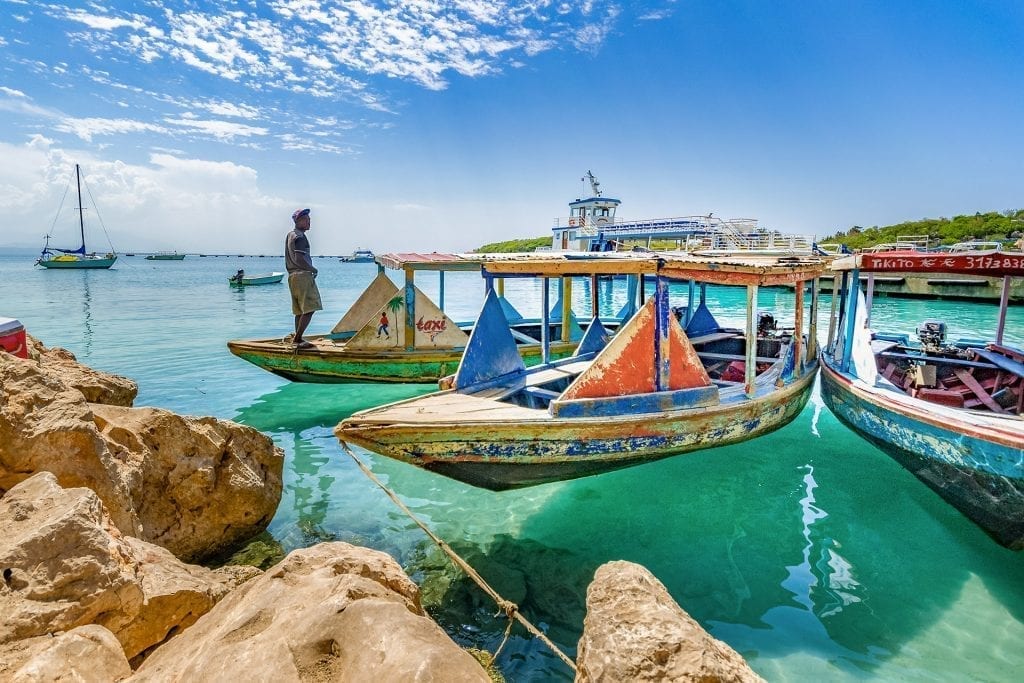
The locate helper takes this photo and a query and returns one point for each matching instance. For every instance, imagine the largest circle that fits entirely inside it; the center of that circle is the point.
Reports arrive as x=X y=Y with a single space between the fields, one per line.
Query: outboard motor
x=932 y=334
x=765 y=323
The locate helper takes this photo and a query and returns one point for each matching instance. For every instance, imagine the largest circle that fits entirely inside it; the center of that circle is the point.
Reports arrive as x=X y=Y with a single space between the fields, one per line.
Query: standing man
x=301 y=277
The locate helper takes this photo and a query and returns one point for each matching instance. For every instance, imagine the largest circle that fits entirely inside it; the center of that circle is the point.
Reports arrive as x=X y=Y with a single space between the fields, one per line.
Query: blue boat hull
x=981 y=475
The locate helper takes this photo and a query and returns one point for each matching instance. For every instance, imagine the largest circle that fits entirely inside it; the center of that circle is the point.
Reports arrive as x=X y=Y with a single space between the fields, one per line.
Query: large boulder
x=64 y=565
x=86 y=654
x=95 y=385
x=330 y=612
x=635 y=631
x=196 y=486
x=204 y=485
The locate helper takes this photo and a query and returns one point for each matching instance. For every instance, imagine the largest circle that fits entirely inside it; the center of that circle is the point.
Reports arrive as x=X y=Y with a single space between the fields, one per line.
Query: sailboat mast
x=81 y=210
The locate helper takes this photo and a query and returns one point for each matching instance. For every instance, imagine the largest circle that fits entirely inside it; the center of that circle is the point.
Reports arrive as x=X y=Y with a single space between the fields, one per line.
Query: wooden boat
x=392 y=335
x=249 y=280
x=77 y=259
x=658 y=388
x=166 y=256
x=949 y=413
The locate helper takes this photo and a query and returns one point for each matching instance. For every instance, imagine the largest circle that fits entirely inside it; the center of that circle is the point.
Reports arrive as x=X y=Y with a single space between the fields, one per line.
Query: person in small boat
x=238 y=276
x=301 y=277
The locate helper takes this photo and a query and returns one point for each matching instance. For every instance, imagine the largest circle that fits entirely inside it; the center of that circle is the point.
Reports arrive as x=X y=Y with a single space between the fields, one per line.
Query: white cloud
x=12 y=92
x=87 y=128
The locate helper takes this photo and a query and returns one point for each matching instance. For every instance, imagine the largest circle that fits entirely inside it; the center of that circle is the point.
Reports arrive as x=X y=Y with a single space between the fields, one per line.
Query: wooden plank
x=1000 y=361
x=967 y=378
x=708 y=355
x=713 y=337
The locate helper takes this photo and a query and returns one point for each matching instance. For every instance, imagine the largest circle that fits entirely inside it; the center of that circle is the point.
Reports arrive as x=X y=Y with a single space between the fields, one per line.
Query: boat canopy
x=992 y=263
x=747 y=270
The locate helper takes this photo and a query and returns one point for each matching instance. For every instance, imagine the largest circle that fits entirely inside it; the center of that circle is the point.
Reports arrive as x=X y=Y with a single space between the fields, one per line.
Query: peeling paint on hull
x=504 y=455
x=980 y=474
x=337 y=366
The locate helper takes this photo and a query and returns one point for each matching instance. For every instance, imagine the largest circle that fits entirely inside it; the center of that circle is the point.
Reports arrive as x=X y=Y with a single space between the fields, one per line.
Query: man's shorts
x=305 y=295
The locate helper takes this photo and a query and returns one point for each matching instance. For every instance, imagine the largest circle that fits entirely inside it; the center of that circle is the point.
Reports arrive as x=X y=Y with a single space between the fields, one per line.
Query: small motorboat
x=240 y=279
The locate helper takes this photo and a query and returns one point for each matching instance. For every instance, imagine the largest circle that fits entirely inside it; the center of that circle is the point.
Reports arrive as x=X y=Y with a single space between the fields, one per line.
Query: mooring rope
x=510 y=609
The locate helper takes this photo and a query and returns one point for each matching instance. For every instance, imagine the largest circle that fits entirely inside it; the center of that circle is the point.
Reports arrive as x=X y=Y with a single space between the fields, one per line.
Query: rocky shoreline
x=105 y=507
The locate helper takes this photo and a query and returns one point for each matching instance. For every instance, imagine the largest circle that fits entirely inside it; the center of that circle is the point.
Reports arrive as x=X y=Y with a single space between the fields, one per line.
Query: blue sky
x=432 y=125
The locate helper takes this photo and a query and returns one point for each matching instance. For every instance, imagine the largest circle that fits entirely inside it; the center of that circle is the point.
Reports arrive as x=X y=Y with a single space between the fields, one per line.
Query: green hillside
x=1006 y=227
x=510 y=246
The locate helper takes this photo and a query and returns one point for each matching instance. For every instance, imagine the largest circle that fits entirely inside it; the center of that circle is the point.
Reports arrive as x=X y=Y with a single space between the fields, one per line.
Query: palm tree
x=395 y=305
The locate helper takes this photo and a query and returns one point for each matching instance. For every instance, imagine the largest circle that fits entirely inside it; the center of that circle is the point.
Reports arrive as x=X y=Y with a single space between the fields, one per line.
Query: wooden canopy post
x=798 y=333
x=1004 y=300
x=662 y=320
x=850 y=321
x=750 y=366
x=690 y=291
x=868 y=297
x=836 y=289
x=410 y=309
x=595 y=307
x=440 y=293
x=566 y=307
x=812 y=328
x=545 y=319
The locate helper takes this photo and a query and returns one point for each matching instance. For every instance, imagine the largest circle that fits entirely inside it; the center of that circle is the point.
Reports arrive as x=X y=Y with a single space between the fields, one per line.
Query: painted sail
x=369 y=303
x=387 y=328
x=626 y=365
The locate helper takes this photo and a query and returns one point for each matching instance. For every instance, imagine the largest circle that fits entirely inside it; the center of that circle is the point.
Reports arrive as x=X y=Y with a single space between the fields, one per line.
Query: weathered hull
x=980 y=472
x=499 y=454
x=336 y=364
x=83 y=264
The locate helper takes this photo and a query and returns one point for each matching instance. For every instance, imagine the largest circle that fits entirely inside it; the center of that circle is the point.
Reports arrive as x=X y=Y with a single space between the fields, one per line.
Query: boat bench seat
x=713 y=337
x=935 y=360
x=707 y=355
x=999 y=360
x=542 y=393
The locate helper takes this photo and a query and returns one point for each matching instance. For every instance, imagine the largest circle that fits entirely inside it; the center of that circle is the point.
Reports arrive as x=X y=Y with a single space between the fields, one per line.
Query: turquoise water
x=808 y=550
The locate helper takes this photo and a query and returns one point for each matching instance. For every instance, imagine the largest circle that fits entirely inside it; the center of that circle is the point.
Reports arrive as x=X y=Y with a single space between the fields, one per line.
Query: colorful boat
x=950 y=413
x=240 y=279
x=77 y=259
x=166 y=256
x=670 y=381
x=393 y=335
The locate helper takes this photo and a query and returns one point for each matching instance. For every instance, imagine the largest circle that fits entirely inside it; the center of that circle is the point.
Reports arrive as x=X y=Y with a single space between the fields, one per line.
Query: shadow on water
x=805 y=543
x=320 y=482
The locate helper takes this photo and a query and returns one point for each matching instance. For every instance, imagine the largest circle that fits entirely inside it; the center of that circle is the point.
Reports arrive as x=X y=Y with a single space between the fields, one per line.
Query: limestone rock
x=95 y=385
x=635 y=631
x=46 y=425
x=204 y=485
x=196 y=486
x=65 y=565
x=330 y=612
x=87 y=654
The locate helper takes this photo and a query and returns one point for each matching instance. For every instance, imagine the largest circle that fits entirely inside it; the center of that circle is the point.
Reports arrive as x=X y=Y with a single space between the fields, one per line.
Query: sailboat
x=52 y=257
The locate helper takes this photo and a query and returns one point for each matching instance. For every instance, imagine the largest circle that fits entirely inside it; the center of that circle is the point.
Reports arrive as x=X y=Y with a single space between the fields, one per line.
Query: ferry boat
x=359 y=256
x=592 y=226
x=166 y=256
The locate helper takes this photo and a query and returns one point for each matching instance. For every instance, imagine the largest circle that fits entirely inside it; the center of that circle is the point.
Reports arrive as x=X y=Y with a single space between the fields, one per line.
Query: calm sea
x=808 y=551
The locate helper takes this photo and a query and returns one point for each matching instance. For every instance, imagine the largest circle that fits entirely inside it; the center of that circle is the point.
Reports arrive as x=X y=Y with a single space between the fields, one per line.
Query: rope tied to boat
x=507 y=606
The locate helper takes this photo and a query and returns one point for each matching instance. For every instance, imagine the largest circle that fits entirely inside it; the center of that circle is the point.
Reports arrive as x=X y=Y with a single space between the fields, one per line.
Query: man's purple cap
x=299 y=214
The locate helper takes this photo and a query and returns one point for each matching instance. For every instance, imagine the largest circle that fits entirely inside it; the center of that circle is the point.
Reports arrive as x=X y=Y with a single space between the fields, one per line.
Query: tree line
x=1006 y=227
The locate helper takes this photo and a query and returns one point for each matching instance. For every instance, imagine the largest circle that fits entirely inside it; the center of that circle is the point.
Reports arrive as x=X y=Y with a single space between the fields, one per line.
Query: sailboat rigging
x=53 y=257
